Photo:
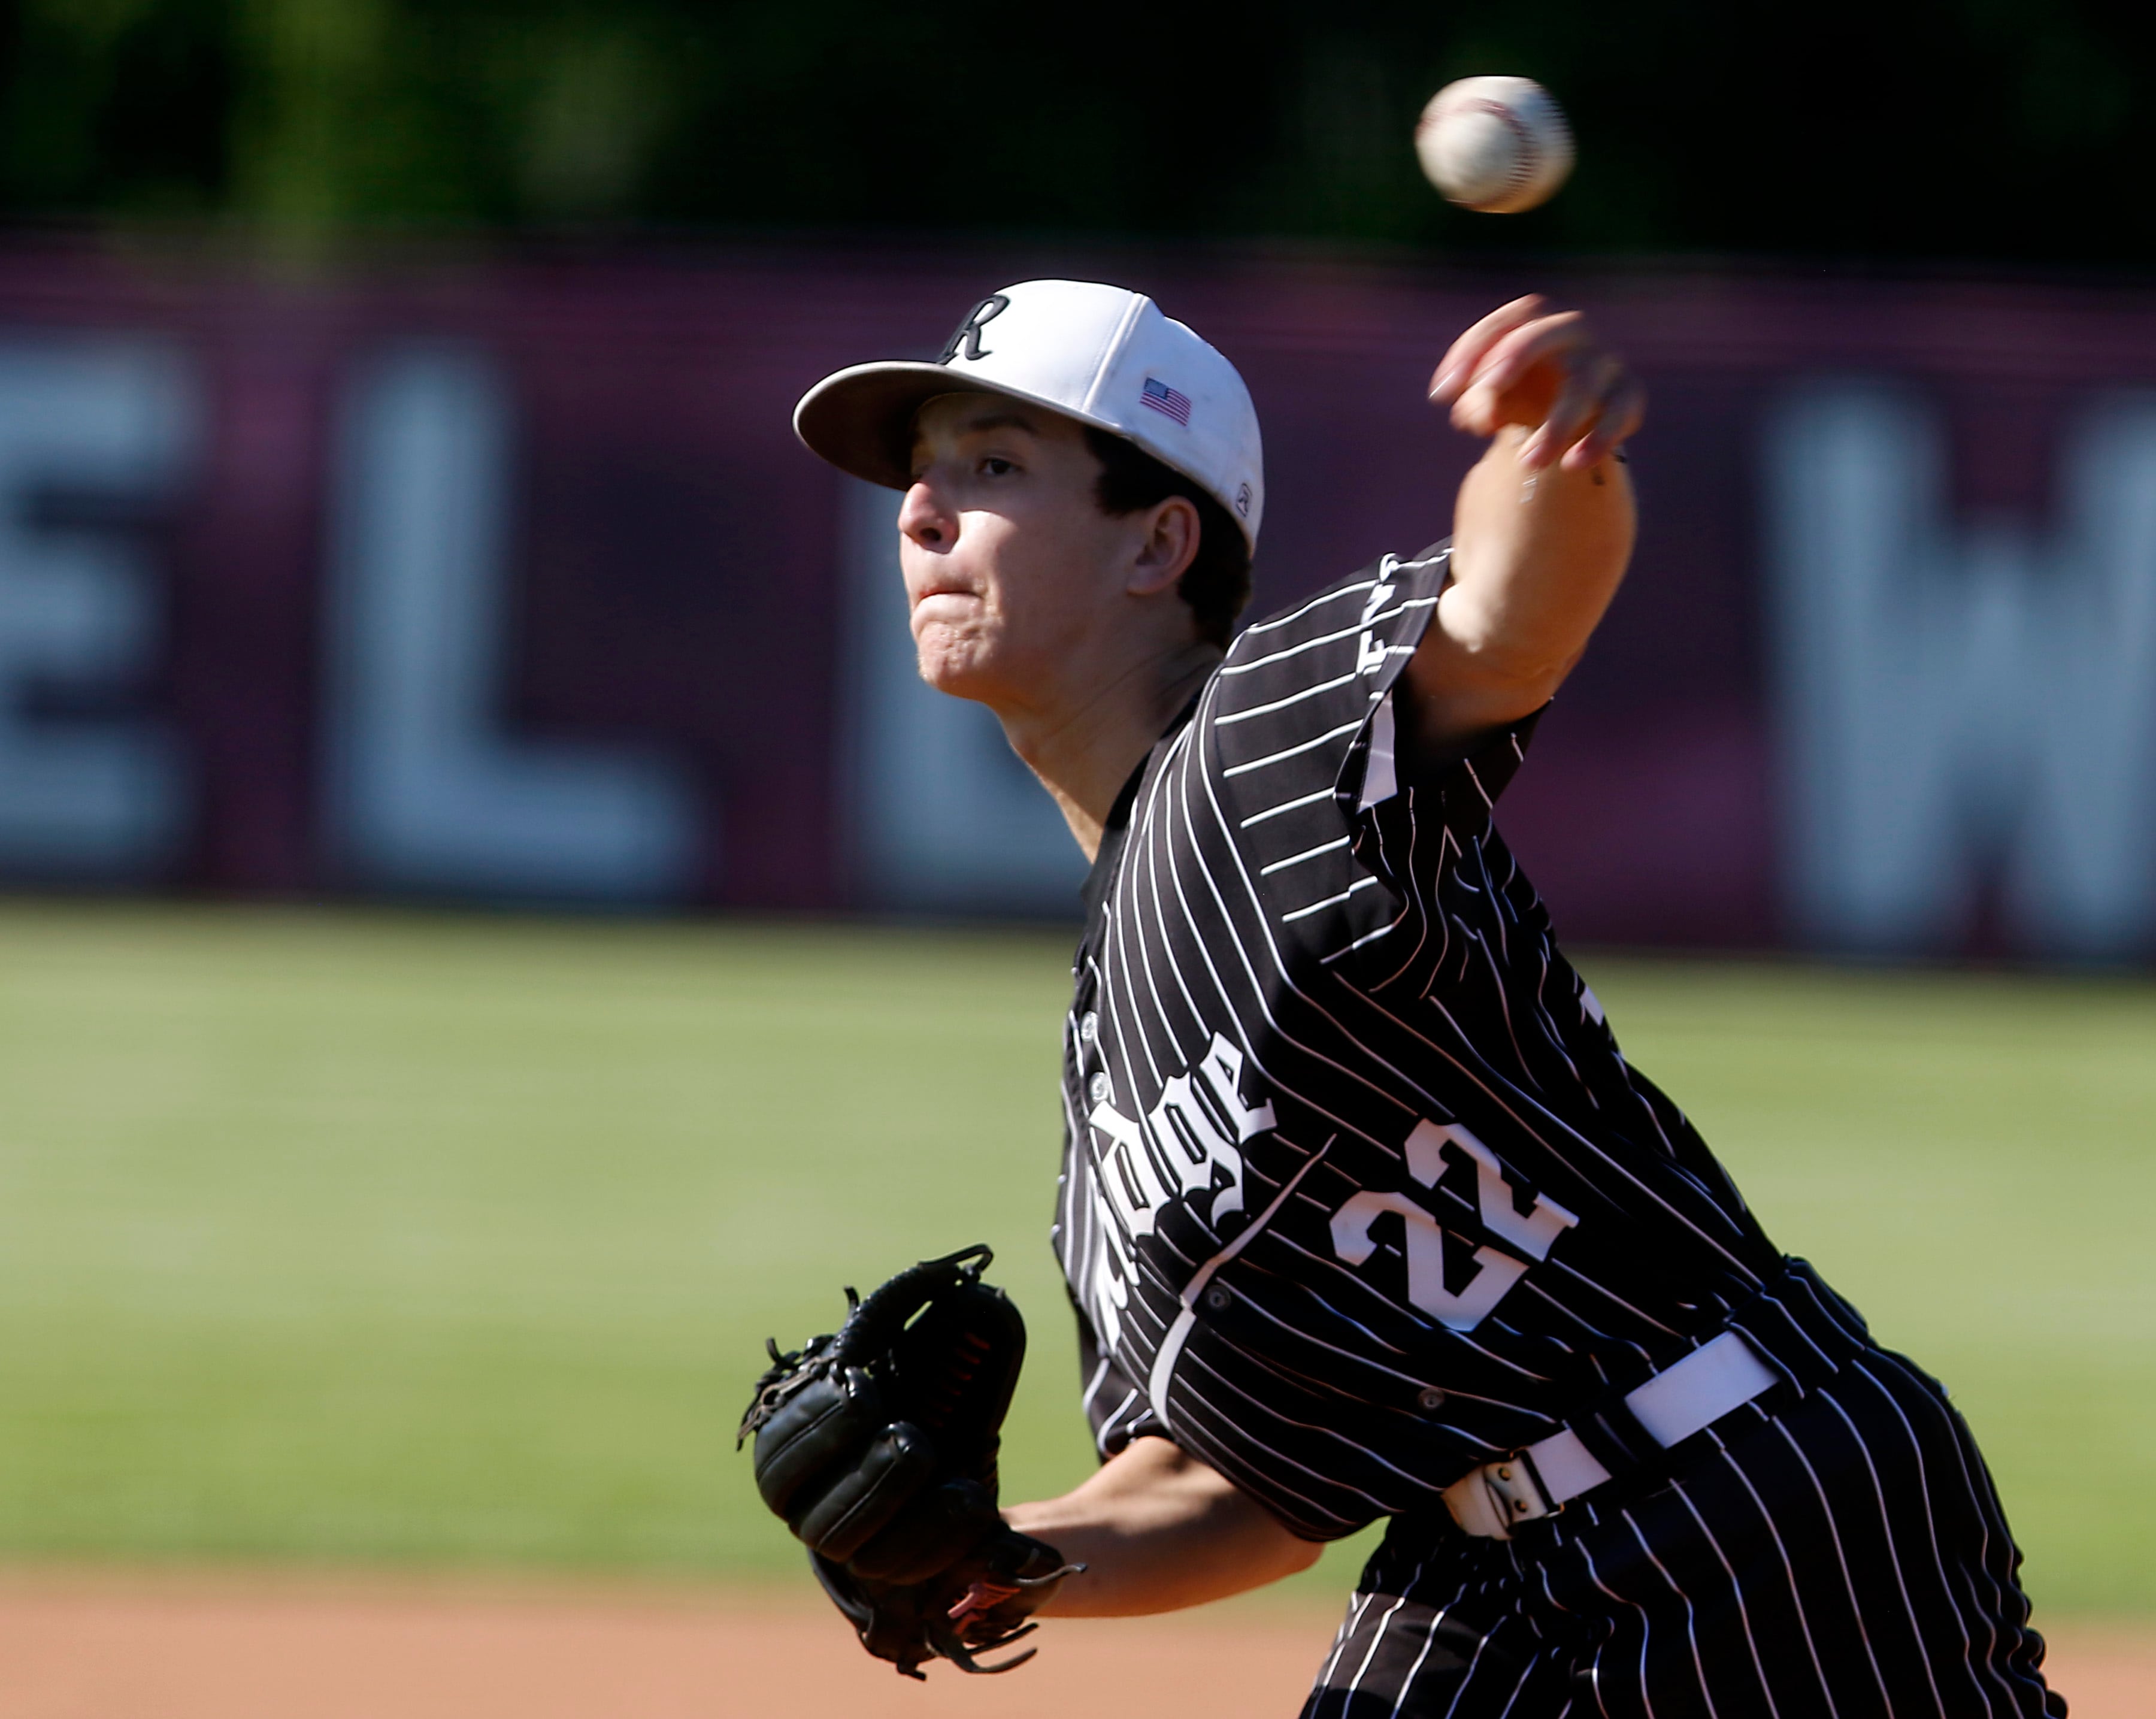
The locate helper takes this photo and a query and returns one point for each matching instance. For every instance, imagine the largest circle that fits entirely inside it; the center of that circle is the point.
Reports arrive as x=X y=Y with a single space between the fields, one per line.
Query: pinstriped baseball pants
x=1836 y=1549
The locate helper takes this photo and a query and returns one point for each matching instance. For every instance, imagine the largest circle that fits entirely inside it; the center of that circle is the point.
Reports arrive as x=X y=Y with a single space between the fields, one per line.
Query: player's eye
x=995 y=467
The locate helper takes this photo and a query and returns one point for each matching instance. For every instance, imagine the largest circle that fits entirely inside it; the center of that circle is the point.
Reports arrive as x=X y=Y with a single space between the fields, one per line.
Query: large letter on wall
x=80 y=798
x=1950 y=696
x=423 y=791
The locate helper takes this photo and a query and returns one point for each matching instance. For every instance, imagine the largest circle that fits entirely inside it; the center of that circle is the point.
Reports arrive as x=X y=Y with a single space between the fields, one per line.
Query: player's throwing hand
x=1540 y=370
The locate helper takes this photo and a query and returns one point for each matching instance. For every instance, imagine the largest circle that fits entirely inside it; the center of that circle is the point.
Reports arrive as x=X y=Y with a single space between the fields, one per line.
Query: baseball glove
x=877 y=1445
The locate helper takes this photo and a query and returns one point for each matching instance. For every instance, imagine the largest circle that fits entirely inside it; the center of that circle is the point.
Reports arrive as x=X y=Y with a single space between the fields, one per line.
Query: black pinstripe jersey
x=1358 y=1190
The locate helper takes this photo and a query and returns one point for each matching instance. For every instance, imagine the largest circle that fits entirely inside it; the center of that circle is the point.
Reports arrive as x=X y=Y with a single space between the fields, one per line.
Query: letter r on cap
x=967 y=333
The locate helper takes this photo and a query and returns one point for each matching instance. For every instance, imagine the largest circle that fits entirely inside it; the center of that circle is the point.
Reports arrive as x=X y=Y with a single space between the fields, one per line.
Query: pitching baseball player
x=1365 y=1213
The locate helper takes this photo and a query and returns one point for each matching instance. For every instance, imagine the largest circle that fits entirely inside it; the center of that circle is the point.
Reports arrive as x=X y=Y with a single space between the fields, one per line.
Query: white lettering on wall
x=423 y=791
x=1952 y=695
x=101 y=797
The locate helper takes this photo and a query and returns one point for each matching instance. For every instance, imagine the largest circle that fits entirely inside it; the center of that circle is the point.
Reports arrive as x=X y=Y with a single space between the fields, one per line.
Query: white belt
x=1722 y=1374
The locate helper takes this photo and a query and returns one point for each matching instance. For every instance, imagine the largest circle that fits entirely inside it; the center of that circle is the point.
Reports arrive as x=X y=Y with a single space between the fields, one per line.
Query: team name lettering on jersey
x=1432 y=1151
x=1189 y=1144
x=1369 y=648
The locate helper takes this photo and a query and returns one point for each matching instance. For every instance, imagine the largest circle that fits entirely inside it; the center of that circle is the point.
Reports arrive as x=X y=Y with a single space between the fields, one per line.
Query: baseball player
x=1365 y=1213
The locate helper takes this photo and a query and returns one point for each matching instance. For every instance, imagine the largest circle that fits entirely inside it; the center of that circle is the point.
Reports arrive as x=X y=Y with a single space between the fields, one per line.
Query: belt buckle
x=1518 y=1489
x=1498 y=1495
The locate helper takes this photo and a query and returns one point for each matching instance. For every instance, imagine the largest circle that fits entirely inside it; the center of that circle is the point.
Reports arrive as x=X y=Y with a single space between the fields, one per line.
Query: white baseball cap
x=1100 y=354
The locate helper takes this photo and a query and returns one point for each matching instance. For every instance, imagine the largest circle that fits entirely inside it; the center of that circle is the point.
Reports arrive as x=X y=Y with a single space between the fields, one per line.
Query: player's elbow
x=1454 y=696
x=1282 y=1555
x=1519 y=679
x=1265 y=1549
x=1301 y=1556
x=1282 y=1552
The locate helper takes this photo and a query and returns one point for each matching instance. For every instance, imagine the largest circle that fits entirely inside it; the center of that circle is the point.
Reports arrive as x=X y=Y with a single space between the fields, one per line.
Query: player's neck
x=1085 y=753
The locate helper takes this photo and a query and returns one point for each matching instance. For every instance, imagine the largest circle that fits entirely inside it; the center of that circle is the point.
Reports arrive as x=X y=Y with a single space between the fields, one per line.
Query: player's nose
x=923 y=517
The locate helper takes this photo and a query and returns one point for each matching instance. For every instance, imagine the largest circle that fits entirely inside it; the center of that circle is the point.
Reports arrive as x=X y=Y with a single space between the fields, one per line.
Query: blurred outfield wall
x=508 y=580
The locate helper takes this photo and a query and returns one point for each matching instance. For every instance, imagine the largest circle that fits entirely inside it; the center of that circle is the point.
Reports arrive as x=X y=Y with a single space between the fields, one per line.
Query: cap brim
x=861 y=418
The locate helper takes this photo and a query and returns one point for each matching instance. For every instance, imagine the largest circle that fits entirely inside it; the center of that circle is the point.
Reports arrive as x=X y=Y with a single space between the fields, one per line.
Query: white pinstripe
x=1319 y=601
x=1691 y=1622
x=1796 y=1598
x=1985 y=1527
x=1923 y=1494
x=1736 y=1588
x=1887 y=1523
x=1295 y=751
x=1376 y=1641
x=1347 y=1628
x=1408 y=1684
x=1849 y=1585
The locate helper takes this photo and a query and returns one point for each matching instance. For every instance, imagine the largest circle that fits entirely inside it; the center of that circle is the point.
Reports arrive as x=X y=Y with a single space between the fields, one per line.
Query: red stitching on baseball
x=1530 y=157
x=1530 y=161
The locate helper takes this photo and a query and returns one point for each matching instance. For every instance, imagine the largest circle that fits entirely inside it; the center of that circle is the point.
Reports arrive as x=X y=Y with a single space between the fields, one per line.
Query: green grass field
x=434 y=1240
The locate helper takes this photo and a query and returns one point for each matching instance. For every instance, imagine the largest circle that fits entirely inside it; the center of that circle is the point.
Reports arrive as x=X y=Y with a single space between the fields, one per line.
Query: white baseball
x=1499 y=145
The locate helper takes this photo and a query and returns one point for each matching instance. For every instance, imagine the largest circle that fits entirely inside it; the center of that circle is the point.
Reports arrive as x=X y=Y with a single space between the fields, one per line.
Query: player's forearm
x=1157 y=1530
x=1537 y=556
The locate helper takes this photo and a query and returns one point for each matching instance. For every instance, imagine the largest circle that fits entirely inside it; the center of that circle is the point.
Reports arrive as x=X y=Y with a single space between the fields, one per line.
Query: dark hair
x=1217 y=582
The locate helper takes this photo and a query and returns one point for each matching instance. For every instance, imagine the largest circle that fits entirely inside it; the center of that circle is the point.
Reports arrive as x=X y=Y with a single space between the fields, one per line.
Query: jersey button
x=1218 y=1298
x=1089 y=1028
x=1098 y=1090
x=1431 y=1399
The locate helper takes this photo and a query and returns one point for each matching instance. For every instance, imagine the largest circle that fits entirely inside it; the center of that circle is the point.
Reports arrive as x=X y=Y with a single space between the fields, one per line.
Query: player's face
x=1012 y=569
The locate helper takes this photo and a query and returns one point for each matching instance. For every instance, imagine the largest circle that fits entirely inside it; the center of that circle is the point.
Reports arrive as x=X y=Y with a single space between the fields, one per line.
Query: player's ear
x=1169 y=545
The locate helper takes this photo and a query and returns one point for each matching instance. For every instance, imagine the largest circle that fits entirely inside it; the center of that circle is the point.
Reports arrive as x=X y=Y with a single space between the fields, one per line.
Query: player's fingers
x=1463 y=357
x=1622 y=414
x=1535 y=343
x=1580 y=402
x=1484 y=404
x=1467 y=351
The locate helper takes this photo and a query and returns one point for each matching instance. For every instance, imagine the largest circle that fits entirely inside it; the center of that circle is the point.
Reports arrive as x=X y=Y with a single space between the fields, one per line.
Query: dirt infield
x=171 y=1647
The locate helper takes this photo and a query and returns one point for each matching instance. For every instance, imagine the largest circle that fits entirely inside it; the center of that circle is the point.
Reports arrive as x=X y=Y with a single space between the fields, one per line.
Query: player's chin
x=954 y=662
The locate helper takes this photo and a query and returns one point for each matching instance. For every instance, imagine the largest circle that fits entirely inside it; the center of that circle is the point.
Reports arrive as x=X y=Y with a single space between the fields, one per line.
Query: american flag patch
x=1167 y=401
